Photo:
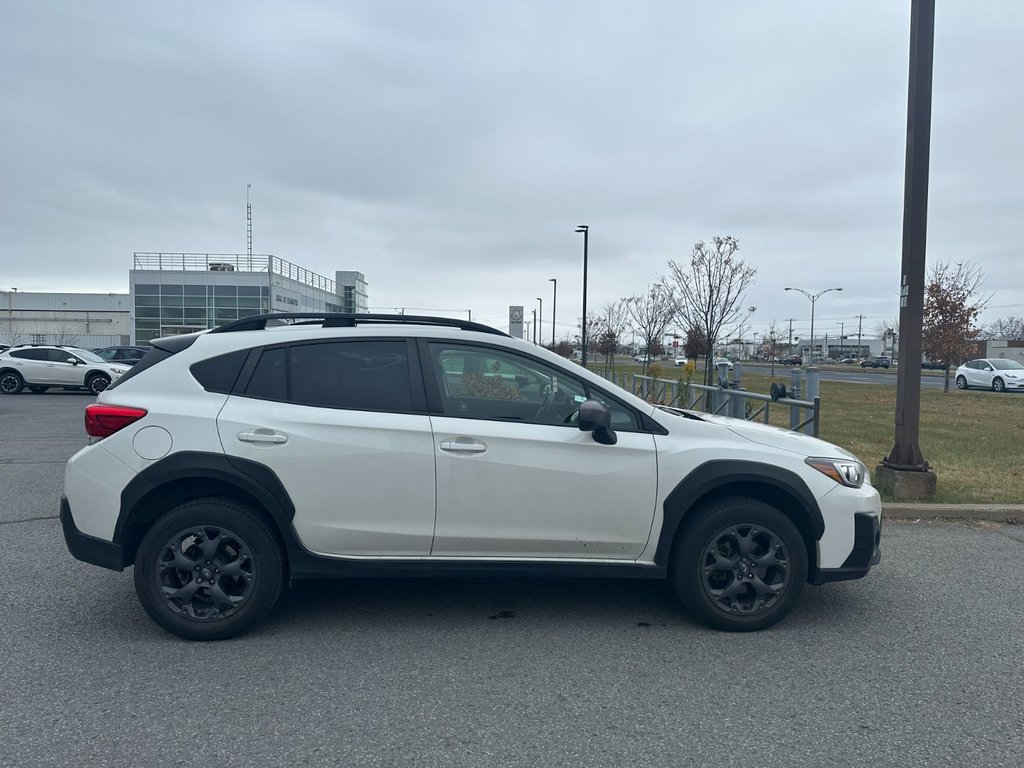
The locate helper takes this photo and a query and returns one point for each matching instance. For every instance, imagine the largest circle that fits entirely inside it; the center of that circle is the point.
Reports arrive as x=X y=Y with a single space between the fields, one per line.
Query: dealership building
x=174 y=293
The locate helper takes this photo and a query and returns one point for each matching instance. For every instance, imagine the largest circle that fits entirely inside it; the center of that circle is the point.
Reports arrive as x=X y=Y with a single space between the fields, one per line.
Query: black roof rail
x=350 y=320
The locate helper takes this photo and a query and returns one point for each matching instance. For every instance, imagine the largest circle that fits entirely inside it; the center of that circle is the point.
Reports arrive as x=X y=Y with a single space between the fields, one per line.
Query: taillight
x=104 y=420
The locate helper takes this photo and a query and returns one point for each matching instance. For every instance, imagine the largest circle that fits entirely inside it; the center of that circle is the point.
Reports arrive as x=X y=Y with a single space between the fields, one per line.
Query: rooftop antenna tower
x=248 y=217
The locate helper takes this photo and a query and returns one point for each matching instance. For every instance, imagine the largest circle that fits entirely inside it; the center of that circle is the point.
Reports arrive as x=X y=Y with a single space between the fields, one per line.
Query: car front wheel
x=961 y=382
x=208 y=570
x=998 y=384
x=739 y=564
x=98 y=383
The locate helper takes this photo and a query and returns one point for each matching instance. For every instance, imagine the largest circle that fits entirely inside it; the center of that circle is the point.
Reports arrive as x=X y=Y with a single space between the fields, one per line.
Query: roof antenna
x=248 y=216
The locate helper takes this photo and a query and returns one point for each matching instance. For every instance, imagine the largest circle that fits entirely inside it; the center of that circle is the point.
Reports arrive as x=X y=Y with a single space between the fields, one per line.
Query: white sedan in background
x=997 y=374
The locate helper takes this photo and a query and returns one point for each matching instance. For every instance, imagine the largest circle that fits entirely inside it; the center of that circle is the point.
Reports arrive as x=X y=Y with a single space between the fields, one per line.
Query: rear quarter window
x=218 y=374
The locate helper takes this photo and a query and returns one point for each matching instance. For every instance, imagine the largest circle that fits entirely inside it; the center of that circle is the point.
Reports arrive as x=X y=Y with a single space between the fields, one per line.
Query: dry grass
x=973 y=440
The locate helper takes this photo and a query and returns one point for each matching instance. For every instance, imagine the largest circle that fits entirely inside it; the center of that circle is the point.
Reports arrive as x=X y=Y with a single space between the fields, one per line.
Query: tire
x=97 y=383
x=218 y=535
x=961 y=382
x=36 y=389
x=717 y=581
x=11 y=383
x=998 y=385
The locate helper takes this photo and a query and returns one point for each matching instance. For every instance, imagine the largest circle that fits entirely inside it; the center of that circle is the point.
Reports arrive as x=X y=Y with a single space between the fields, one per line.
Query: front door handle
x=262 y=436
x=463 y=445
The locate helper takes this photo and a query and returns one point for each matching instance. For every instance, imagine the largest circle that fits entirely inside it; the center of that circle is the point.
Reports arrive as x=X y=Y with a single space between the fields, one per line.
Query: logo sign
x=515 y=322
x=286 y=300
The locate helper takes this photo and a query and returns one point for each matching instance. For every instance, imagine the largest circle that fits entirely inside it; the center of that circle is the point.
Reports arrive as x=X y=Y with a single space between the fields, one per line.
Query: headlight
x=119 y=371
x=844 y=471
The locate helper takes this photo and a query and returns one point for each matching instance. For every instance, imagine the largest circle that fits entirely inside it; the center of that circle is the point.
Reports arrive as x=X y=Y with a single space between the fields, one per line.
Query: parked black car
x=876 y=362
x=122 y=355
x=931 y=365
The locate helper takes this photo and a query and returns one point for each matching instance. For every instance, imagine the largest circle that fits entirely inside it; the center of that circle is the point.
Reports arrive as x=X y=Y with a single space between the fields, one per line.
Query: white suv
x=228 y=463
x=40 y=367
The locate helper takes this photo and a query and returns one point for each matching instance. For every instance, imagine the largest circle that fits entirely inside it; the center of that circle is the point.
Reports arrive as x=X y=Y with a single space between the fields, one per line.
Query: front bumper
x=866 y=551
x=87 y=548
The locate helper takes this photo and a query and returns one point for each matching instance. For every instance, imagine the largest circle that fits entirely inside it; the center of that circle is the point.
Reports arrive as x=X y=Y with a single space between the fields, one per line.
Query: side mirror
x=73 y=360
x=595 y=417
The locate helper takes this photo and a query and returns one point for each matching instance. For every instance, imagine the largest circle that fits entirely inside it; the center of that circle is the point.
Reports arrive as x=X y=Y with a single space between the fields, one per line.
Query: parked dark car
x=931 y=365
x=876 y=362
x=793 y=360
x=122 y=355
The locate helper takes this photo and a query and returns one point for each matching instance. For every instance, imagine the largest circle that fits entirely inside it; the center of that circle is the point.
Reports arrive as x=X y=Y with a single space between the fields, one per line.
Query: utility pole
x=585 y=229
x=791 y=336
x=842 y=339
x=554 y=308
x=534 y=325
x=860 y=320
x=904 y=472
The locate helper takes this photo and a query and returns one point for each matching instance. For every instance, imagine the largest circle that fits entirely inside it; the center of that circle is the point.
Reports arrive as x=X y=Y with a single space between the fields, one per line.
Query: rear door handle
x=262 y=436
x=463 y=445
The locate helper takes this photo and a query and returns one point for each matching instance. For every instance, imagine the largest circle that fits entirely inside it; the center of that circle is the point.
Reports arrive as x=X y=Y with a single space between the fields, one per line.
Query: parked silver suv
x=40 y=366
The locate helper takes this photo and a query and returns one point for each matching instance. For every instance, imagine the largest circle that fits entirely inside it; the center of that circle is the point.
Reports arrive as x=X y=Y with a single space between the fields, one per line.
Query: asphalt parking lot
x=920 y=664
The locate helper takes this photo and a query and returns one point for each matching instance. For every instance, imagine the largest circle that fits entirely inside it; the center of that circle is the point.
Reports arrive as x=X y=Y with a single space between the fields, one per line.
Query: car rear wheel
x=961 y=382
x=738 y=565
x=98 y=383
x=998 y=384
x=208 y=570
x=11 y=383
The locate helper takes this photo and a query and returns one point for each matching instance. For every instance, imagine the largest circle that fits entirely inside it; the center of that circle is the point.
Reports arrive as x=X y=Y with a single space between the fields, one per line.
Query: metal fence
x=728 y=398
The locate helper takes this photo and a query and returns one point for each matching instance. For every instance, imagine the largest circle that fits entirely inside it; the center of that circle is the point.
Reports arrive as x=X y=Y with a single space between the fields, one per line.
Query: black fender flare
x=249 y=477
x=784 y=488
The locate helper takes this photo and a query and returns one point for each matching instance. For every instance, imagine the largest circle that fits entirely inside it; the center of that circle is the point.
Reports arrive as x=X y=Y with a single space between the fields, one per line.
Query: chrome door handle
x=262 y=436
x=459 y=446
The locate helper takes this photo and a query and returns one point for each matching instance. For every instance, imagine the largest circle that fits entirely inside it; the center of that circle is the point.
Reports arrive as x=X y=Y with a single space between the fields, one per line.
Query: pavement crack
x=28 y=520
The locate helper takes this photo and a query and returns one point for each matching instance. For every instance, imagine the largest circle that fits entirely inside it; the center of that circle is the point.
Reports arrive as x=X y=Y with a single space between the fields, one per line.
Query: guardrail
x=729 y=399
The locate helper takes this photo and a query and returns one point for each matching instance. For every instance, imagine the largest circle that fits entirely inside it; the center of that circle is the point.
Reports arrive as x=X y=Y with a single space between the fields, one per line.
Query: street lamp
x=813 y=297
x=583 y=335
x=540 y=323
x=534 y=325
x=554 y=307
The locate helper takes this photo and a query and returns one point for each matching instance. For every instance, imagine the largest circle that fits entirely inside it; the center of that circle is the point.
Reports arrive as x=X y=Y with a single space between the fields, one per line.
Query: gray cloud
x=448 y=149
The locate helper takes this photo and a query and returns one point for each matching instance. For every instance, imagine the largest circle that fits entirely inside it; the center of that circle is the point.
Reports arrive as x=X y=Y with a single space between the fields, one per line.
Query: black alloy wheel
x=209 y=570
x=739 y=564
x=98 y=383
x=11 y=383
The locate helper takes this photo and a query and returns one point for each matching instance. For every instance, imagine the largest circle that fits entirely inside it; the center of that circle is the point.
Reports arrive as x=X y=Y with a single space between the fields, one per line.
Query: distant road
x=855 y=375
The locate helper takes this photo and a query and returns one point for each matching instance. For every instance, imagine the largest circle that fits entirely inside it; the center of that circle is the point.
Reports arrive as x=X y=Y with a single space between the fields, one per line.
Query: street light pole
x=540 y=323
x=813 y=298
x=554 y=308
x=585 y=229
x=534 y=325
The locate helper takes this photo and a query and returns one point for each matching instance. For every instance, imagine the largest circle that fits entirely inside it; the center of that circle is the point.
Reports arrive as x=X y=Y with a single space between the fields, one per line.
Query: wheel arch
x=191 y=475
x=780 y=488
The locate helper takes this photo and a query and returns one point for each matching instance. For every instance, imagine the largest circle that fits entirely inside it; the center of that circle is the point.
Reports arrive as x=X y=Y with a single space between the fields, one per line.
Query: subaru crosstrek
x=228 y=463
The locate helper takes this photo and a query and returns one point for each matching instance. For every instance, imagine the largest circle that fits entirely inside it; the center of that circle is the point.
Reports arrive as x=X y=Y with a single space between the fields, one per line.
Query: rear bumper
x=87 y=548
x=866 y=551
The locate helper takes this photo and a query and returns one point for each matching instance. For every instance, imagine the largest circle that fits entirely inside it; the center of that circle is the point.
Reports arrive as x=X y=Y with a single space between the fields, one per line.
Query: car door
x=32 y=364
x=346 y=432
x=62 y=373
x=515 y=477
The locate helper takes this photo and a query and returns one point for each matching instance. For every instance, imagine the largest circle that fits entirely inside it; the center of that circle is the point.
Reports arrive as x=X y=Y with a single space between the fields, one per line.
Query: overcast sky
x=448 y=149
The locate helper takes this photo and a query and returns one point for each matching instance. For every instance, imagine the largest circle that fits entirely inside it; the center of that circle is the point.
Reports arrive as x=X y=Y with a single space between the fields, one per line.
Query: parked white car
x=40 y=367
x=996 y=373
x=681 y=360
x=229 y=463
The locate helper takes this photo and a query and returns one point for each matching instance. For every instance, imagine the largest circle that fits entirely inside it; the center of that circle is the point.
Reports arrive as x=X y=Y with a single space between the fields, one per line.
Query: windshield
x=1006 y=365
x=89 y=357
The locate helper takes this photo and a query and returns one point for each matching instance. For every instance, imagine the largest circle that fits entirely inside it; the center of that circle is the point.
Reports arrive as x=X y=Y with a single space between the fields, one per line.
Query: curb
x=996 y=513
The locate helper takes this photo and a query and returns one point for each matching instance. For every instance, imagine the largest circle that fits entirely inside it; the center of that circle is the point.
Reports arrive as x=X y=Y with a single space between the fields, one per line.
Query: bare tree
x=951 y=307
x=614 y=322
x=651 y=313
x=710 y=287
x=1005 y=328
x=771 y=342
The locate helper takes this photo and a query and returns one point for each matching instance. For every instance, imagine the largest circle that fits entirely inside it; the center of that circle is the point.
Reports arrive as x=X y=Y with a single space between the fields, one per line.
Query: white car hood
x=775 y=437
